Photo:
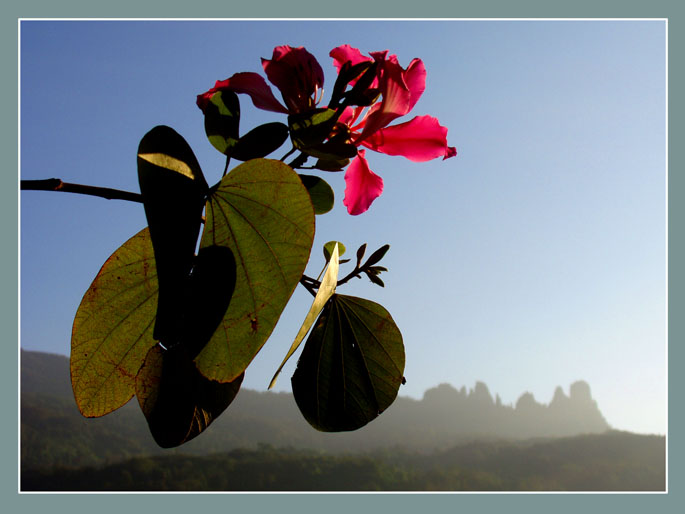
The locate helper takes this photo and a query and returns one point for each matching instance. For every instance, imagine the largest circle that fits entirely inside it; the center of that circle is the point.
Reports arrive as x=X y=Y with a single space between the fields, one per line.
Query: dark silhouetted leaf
x=363 y=98
x=347 y=74
x=377 y=255
x=333 y=151
x=375 y=279
x=351 y=366
x=260 y=141
x=222 y=120
x=360 y=254
x=263 y=213
x=331 y=164
x=311 y=128
x=212 y=284
x=178 y=402
x=360 y=94
x=319 y=135
x=320 y=192
x=173 y=190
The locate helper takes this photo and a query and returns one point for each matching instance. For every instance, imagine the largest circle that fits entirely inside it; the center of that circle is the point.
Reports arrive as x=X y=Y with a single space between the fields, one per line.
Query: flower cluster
x=358 y=118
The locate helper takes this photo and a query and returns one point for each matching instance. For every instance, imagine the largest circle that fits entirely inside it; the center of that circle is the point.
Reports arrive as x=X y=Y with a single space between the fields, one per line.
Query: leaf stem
x=312 y=284
x=292 y=151
x=298 y=161
x=55 y=184
x=305 y=281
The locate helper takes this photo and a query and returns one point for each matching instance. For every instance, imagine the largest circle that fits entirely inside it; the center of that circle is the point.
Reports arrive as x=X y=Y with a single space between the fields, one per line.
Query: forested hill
x=53 y=429
x=613 y=461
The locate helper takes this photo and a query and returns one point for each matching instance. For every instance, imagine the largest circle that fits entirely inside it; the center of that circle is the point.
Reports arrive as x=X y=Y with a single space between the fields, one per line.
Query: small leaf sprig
x=368 y=268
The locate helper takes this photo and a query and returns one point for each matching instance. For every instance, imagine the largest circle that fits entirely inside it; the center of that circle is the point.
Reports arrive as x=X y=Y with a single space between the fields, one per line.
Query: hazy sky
x=534 y=258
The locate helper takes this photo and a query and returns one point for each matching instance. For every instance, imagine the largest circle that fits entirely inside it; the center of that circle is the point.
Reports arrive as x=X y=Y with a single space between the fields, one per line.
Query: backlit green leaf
x=328 y=249
x=222 y=120
x=112 y=330
x=351 y=366
x=263 y=213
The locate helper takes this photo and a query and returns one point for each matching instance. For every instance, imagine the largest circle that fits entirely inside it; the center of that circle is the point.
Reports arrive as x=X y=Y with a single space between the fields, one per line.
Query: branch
x=356 y=272
x=312 y=285
x=55 y=184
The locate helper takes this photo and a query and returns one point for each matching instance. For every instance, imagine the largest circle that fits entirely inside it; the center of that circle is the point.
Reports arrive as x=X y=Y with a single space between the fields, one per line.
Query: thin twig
x=55 y=184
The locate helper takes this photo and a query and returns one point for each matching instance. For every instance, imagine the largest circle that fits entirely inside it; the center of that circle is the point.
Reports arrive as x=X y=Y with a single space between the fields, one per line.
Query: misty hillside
x=53 y=429
x=451 y=440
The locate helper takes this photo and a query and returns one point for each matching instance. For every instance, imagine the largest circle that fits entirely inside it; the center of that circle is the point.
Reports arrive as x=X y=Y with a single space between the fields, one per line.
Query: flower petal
x=450 y=152
x=297 y=74
x=350 y=114
x=415 y=80
x=363 y=185
x=419 y=139
x=248 y=83
x=397 y=97
x=344 y=53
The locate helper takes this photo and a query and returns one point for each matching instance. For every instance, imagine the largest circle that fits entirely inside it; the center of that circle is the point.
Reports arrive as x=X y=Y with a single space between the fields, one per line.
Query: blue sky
x=534 y=258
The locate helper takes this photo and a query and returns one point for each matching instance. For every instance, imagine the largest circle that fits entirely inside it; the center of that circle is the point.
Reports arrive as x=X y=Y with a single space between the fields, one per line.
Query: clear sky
x=534 y=258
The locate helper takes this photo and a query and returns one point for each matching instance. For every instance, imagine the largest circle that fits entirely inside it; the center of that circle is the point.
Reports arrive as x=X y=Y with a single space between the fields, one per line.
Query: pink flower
x=294 y=71
x=420 y=139
x=298 y=76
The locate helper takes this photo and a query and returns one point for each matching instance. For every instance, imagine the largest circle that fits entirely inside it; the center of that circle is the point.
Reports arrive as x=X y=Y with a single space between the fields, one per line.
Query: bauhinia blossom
x=420 y=139
x=294 y=71
x=298 y=76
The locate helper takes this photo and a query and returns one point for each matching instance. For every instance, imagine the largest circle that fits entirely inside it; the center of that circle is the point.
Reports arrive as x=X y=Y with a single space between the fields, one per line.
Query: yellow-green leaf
x=263 y=213
x=326 y=290
x=328 y=249
x=222 y=120
x=112 y=330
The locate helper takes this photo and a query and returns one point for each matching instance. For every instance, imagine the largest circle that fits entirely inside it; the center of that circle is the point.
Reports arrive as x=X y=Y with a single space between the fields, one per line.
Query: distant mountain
x=54 y=433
